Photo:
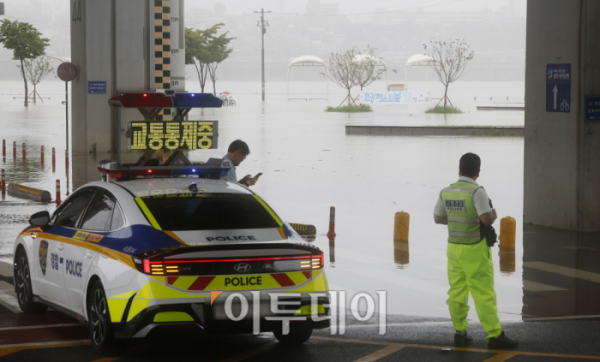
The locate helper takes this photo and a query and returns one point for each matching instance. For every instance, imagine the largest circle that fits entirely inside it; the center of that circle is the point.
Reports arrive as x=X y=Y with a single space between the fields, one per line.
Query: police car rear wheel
x=24 y=290
x=293 y=338
x=101 y=332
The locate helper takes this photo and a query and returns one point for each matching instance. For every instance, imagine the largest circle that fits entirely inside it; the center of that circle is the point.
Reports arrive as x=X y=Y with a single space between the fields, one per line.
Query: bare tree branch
x=451 y=59
x=354 y=68
x=35 y=70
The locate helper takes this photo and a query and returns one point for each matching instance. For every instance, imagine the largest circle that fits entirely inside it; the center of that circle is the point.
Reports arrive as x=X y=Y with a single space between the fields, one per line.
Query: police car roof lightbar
x=128 y=171
x=164 y=100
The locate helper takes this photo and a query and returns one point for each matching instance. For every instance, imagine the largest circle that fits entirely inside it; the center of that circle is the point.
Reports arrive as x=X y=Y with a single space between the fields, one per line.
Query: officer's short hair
x=239 y=145
x=469 y=164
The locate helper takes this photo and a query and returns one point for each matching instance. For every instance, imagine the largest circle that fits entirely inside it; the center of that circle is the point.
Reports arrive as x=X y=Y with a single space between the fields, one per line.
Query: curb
x=435 y=131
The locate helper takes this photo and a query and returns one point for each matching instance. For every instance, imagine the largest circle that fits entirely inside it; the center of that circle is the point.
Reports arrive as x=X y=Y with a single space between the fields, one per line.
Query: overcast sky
x=56 y=11
x=354 y=6
x=495 y=37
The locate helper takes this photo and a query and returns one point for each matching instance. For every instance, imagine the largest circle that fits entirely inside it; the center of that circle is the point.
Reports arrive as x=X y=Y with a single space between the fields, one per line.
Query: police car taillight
x=317 y=262
x=226 y=265
x=157 y=268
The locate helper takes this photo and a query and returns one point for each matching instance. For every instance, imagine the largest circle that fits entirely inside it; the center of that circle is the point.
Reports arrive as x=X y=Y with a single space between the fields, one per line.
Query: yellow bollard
x=401 y=223
x=508 y=227
x=401 y=226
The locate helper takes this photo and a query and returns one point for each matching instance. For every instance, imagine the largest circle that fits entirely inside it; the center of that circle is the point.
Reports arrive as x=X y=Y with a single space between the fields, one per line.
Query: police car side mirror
x=41 y=218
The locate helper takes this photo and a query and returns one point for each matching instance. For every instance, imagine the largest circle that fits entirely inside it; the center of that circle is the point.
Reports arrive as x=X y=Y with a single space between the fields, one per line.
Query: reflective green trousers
x=470 y=269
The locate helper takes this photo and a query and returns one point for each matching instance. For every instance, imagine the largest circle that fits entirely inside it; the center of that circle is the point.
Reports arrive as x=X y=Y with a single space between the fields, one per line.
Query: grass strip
x=442 y=109
x=351 y=108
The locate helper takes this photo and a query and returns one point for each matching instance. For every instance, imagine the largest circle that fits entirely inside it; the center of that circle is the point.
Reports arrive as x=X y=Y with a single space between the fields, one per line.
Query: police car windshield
x=181 y=212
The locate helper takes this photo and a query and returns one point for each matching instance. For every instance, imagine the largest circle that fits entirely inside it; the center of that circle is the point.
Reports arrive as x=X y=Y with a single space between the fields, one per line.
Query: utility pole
x=262 y=24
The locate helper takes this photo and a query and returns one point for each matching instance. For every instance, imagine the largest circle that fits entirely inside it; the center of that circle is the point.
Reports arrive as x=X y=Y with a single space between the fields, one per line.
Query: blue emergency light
x=163 y=100
x=196 y=100
x=213 y=168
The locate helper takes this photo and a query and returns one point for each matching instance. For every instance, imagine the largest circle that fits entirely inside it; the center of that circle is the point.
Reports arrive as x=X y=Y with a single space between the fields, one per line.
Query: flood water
x=309 y=164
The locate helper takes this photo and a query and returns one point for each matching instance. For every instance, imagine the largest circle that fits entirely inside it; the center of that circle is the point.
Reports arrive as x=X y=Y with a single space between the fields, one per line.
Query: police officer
x=462 y=206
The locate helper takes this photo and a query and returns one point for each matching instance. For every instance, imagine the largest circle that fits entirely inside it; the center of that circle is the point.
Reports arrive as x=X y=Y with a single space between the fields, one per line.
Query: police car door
x=51 y=249
x=80 y=254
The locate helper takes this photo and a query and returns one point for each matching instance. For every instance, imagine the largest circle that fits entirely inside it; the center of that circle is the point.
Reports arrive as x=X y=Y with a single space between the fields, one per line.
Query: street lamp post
x=262 y=24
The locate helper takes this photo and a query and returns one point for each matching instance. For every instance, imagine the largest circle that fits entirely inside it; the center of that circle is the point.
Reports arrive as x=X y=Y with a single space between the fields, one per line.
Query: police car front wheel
x=23 y=284
x=293 y=338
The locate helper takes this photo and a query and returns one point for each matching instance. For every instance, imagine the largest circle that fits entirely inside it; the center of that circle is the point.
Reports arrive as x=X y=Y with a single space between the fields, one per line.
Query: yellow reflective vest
x=463 y=220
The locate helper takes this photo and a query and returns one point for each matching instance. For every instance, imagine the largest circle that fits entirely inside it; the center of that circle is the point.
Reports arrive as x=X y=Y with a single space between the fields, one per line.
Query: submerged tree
x=35 y=71
x=195 y=50
x=206 y=50
x=220 y=52
x=370 y=71
x=25 y=41
x=352 y=68
x=451 y=59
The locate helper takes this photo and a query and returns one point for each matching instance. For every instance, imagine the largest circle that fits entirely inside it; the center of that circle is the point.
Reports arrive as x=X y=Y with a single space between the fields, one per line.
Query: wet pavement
x=561 y=273
x=310 y=164
x=54 y=337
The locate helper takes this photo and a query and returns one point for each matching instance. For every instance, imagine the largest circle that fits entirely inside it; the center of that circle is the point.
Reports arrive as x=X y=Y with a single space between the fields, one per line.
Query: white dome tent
x=306 y=61
x=417 y=60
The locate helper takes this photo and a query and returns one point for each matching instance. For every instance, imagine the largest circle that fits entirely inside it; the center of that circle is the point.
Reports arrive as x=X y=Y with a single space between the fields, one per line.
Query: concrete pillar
x=116 y=44
x=562 y=152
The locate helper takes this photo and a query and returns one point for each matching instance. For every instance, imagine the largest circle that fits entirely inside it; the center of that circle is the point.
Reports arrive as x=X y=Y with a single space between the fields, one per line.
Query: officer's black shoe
x=462 y=339
x=502 y=341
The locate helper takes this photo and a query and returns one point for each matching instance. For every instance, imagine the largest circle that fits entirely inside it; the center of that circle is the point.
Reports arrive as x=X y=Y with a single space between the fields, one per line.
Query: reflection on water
x=507 y=259
x=401 y=257
x=331 y=252
x=561 y=273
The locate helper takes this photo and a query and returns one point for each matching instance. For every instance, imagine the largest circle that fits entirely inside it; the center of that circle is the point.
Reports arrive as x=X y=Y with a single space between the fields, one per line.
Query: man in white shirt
x=236 y=153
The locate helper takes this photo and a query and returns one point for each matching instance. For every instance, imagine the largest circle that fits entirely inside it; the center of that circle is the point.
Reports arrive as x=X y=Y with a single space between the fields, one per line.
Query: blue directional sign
x=558 y=87
x=96 y=87
x=592 y=109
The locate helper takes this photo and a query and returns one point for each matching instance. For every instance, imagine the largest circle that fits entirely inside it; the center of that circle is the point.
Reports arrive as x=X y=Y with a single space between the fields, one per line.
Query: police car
x=133 y=257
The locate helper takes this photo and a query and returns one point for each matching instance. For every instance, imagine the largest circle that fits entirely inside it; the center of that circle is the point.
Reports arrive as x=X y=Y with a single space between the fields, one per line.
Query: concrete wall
x=562 y=153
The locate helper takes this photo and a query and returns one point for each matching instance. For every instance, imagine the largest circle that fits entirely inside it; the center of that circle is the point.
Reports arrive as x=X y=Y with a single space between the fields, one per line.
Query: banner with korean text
x=173 y=135
x=406 y=97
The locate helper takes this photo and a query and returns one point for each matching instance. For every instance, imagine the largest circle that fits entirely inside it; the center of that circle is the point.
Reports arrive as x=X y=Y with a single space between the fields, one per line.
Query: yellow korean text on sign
x=173 y=135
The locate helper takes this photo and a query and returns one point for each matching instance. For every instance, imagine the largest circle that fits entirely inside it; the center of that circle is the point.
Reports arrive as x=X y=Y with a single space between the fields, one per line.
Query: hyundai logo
x=242 y=267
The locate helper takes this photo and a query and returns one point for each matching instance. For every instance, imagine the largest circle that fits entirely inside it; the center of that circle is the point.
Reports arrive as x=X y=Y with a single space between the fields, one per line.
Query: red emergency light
x=165 y=100
x=141 y=100
x=115 y=170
